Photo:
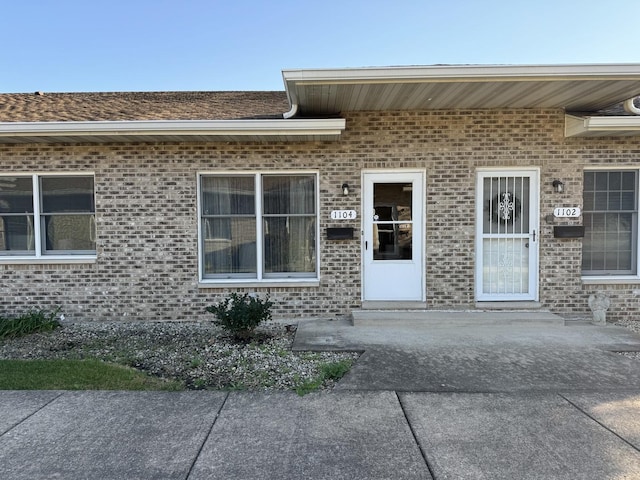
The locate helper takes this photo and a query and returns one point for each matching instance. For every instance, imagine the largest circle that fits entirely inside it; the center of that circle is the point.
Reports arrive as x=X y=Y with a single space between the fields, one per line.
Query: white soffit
x=613 y=126
x=570 y=87
x=294 y=130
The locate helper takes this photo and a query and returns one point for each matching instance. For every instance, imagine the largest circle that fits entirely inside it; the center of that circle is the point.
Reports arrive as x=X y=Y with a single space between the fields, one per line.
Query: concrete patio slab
x=491 y=369
x=319 y=436
x=479 y=358
x=18 y=405
x=500 y=436
x=340 y=334
x=111 y=435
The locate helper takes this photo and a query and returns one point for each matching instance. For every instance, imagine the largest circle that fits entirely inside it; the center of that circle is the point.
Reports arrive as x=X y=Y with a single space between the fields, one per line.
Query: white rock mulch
x=198 y=354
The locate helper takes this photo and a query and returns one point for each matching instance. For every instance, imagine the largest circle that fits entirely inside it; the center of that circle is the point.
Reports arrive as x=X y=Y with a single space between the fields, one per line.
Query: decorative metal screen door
x=507 y=235
x=392 y=249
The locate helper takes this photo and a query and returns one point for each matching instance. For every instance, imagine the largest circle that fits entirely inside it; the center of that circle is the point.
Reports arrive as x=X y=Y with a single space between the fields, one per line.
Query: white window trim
x=47 y=260
x=259 y=281
x=39 y=257
x=612 y=279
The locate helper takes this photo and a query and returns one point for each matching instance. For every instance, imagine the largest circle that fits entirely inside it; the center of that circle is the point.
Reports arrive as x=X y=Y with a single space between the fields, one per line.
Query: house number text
x=566 y=212
x=343 y=215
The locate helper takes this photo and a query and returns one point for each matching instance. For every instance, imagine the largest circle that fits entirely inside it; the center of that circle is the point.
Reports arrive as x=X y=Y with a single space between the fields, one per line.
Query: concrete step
x=419 y=317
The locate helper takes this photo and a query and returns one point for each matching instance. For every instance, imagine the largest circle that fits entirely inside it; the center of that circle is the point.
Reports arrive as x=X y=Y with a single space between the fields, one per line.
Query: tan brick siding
x=146 y=213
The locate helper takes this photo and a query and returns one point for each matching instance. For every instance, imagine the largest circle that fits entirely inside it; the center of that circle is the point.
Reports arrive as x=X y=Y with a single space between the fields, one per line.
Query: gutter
x=166 y=128
x=596 y=126
x=293 y=100
x=291 y=113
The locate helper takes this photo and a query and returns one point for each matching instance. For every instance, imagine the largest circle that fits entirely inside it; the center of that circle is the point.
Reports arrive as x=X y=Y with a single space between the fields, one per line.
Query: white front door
x=393 y=257
x=507 y=235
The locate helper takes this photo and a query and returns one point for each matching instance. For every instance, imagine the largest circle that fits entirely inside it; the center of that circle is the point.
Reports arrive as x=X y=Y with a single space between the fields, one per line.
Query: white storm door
x=507 y=235
x=392 y=249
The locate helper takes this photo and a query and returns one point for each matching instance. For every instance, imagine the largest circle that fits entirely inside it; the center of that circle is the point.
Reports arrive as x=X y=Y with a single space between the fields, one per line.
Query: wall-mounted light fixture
x=345 y=189
x=558 y=186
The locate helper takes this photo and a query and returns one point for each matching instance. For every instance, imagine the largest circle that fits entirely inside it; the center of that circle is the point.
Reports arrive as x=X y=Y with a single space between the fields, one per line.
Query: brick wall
x=146 y=215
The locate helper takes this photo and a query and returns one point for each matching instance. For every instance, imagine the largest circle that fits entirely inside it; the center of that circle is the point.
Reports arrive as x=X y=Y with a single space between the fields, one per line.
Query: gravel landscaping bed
x=633 y=325
x=200 y=355
x=630 y=324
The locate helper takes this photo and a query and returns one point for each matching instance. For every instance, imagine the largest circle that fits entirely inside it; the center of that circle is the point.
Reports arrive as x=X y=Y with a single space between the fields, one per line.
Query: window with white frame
x=610 y=213
x=47 y=215
x=258 y=226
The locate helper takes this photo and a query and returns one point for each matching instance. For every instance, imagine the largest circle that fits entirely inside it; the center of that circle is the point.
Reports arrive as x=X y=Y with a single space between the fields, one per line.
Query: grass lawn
x=76 y=375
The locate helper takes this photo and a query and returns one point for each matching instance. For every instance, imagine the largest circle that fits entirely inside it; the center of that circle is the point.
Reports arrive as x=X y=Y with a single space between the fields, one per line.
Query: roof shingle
x=105 y=106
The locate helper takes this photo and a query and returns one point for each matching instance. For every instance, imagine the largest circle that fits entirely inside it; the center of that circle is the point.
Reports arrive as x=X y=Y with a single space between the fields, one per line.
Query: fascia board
x=480 y=73
x=177 y=127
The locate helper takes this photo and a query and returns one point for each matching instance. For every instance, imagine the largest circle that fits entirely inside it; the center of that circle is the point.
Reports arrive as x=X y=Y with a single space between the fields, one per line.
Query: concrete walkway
x=340 y=435
x=408 y=410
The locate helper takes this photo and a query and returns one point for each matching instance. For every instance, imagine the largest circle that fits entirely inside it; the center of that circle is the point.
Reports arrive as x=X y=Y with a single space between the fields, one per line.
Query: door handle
x=366 y=245
x=534 y=235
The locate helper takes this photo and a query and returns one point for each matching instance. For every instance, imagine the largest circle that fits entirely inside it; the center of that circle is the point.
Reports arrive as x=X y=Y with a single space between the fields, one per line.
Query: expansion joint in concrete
x=415 y=438
x=32 y=414
x=206 y=437
x=584 y=412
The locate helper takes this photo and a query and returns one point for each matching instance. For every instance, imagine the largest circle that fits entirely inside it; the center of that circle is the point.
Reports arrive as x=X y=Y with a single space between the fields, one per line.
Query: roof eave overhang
x=600 y=126
x=280 y=130
x=572 y=87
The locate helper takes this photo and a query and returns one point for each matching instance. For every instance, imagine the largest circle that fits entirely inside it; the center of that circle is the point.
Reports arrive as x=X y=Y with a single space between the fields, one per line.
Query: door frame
x=534 y=232
x=367 y=178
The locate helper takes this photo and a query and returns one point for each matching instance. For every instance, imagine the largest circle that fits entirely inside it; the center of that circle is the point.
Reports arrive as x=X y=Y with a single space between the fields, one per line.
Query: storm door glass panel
x=506 y=266
x=68 y=215
x=16 y=216
x=610 y=221
x=289 y=225
x=506 y=235
x=228 y=226
x=392 y=221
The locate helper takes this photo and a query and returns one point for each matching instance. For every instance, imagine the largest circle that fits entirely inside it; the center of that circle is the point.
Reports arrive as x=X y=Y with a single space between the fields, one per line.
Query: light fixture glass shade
x=558 y=186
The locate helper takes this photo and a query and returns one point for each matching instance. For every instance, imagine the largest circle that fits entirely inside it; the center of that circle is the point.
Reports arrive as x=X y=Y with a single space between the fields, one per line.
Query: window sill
x=611 y=280
x=256 y=284
x=48 y=260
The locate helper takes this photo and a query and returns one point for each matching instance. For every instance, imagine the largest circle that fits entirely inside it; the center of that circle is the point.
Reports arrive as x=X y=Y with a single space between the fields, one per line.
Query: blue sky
x=142 y=45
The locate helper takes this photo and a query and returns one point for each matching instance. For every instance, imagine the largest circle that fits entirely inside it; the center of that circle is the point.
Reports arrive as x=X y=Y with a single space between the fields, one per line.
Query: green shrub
x=241 y=314
x=30 y=322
